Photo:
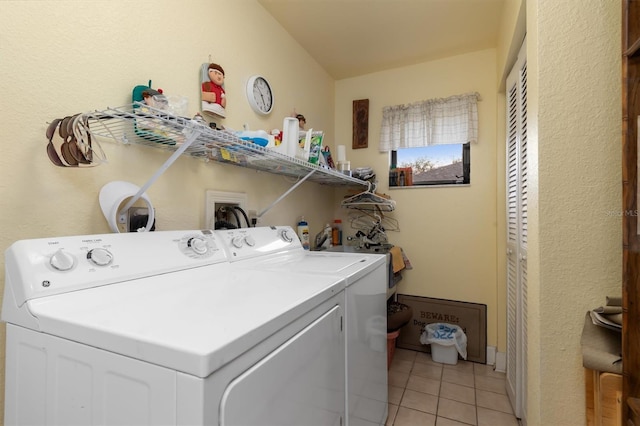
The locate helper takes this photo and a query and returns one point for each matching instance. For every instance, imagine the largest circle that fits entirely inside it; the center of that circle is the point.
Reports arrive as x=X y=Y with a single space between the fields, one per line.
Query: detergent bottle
x=303 y=233
x=336 y=233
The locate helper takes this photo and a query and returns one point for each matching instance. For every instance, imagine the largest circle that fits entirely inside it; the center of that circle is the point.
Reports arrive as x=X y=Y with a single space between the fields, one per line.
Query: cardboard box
x=471 y=317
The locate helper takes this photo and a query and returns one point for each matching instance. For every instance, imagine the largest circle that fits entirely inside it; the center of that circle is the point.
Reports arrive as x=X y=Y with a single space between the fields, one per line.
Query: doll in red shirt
x=214 y=100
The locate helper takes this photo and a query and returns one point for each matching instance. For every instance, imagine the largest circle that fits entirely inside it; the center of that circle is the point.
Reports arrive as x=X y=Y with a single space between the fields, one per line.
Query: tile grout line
x=475 y=394
x=439 y=393
x=476 y=373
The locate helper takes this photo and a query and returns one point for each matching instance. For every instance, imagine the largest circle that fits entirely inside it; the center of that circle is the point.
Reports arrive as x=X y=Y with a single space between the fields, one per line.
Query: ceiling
x=349 y=38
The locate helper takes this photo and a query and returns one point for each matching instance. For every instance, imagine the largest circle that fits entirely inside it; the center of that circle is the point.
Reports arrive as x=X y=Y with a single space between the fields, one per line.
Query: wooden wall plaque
x=360 y=123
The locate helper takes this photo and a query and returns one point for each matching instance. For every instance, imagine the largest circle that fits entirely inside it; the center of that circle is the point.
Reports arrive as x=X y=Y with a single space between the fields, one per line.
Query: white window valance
x=452 y=120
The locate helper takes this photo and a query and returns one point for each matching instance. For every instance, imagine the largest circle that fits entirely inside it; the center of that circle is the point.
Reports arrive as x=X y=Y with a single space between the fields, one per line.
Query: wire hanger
x=364 y=220
x=369 y=200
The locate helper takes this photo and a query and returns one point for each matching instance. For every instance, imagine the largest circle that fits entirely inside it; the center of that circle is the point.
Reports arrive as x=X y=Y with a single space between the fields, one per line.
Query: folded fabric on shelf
x=614 y=301
x=601 y=348
x=397 y=259
x=610 y=315
x=608 y=310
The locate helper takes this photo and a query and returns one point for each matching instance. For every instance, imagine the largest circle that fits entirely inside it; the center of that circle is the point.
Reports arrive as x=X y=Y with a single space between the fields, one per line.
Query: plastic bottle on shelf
x=303 y=233
x=326 y=240
x=336 y=232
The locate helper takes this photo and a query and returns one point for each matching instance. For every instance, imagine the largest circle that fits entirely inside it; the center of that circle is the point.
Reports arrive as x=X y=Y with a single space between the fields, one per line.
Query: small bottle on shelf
x=303 y=233
x=336 y=232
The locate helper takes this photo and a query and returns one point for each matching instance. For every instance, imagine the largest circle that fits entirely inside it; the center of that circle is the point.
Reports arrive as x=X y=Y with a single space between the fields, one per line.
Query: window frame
x=466 y=171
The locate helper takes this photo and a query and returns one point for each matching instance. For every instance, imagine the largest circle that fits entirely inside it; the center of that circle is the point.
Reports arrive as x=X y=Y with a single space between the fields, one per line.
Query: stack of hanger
x=369 y=213
x=364 y=220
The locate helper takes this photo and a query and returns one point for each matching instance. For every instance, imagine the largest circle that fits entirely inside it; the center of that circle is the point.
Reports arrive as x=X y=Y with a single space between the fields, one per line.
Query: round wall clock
x=260 y=94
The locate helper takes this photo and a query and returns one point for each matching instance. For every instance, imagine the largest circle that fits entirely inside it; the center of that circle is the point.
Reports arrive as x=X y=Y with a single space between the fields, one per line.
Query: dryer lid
x=352 y=266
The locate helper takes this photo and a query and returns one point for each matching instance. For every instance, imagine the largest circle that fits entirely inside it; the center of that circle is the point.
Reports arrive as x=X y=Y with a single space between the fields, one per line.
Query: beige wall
x=448 y=233
x=62 y=57
x=574 y=137
x=575 y=240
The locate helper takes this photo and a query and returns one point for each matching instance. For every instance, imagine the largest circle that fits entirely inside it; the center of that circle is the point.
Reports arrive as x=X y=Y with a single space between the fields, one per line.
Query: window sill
x=447 y=185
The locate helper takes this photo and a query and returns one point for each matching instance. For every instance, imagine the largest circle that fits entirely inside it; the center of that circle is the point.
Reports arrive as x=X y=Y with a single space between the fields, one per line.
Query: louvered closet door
x=517 y=190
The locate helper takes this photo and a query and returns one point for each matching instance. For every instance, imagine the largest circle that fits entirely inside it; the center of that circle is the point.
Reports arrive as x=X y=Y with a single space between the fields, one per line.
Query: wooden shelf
x=633 y=49
x=631 y=237
x=634 y=405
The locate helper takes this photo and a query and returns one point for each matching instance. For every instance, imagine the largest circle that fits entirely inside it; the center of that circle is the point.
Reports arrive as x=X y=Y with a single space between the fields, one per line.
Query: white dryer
x=278 y=249
x=160 y=329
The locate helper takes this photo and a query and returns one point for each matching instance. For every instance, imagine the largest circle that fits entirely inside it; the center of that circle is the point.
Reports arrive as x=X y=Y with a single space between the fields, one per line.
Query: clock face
x=260 y=95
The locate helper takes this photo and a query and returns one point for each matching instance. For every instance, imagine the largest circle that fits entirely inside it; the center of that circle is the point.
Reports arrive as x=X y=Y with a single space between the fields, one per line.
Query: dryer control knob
x=100 y=257
x=198 y=245
x=250 y=240
x=62 y=261
x=237 y=241
x=286 y=236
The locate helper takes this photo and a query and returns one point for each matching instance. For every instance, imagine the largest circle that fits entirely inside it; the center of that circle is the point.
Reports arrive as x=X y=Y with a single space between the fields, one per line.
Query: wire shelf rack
x=140 y=124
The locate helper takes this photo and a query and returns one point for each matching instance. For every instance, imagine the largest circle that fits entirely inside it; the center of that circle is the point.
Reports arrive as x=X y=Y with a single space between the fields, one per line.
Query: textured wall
x=575 y=234
x=62 y=57
x=448 y=233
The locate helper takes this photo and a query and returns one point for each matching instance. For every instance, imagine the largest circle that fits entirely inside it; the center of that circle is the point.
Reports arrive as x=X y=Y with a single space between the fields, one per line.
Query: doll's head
x=301 y=120
x=216 y=74
x=154 y=98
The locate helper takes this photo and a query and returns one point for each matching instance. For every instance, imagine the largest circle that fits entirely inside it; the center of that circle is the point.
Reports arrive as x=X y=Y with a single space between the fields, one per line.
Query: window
x=430 y=140
x=431 y=165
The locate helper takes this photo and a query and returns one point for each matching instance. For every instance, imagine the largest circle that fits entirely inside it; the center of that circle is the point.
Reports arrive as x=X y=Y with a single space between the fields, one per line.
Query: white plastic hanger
x=369 y=200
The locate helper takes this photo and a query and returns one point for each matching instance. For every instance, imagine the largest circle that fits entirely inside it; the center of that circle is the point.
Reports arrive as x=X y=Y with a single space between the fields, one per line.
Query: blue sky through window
x=441 y=155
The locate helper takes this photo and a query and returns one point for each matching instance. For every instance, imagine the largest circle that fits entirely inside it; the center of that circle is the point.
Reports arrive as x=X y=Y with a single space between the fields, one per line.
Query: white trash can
x=446 y=340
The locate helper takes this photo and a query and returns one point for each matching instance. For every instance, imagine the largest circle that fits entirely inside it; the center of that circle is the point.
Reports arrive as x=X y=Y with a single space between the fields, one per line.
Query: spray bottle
x=323 y=238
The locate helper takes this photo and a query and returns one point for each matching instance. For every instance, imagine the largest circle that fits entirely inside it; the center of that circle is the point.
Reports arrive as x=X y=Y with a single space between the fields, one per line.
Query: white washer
x=365 y=276
x=159 y=328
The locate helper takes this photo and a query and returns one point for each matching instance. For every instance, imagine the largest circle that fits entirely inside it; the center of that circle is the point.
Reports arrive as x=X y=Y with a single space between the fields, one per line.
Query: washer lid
x=193 y=321
x=352 y=266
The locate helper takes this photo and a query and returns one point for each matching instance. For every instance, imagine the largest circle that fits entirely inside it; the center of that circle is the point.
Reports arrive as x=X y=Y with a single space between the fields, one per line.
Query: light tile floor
x=427 y=393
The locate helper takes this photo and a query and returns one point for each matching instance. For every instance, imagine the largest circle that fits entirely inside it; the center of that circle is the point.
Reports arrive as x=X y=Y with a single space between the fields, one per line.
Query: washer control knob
x=100 y=257
x=250 y=241
x=198 y=245
x=62 y=261
x=286 y=236
x=237 y=241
